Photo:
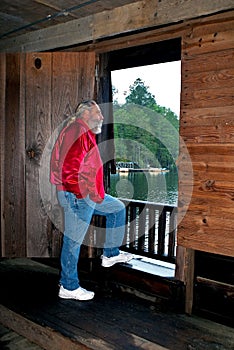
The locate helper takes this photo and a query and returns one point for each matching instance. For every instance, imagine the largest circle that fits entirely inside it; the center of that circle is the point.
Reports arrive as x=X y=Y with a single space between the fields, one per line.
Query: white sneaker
x=121 y=258
x=77 y=294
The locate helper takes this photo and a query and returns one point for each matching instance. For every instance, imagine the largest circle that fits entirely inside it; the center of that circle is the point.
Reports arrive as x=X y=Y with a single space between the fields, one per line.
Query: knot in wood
x=31 y=153
x=209 y=184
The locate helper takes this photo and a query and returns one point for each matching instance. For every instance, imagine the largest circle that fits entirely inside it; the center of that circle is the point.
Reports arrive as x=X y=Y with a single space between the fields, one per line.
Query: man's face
x=95 y=119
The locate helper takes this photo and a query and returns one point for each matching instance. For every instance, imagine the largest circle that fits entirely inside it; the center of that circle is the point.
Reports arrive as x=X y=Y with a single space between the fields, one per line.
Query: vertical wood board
x=2 y=146
x=38 y=129
x=207 y=99
x=75 y=84
x=14 y=159
x=73 y=81
x=53 y=91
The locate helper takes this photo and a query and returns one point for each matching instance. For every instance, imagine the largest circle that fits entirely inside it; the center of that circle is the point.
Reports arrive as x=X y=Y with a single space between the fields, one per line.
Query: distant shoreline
x=141 y=170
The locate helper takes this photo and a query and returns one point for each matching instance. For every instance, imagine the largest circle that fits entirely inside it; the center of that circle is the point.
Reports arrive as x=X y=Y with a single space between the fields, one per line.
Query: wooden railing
x=150 y=229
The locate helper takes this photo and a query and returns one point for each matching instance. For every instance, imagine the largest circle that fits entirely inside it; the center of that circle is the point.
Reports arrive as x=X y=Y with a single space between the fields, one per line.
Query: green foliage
x=140 y=95
x=145 y=132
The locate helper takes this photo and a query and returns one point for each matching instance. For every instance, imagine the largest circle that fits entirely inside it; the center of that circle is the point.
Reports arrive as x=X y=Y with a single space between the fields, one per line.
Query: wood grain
x=206 y=184
x=38 y=129
x=14 y=159
x=120 y=20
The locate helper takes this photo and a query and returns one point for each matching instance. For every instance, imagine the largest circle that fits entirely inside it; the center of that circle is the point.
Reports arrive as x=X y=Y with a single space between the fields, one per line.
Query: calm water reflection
x=153 y=187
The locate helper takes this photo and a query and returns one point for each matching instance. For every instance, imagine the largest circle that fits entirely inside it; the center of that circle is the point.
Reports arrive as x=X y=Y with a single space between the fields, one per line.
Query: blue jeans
x=77 y=216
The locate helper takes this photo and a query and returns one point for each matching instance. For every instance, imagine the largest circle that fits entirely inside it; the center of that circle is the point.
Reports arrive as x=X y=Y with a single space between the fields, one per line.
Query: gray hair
x=84 y=106
x=80 y=109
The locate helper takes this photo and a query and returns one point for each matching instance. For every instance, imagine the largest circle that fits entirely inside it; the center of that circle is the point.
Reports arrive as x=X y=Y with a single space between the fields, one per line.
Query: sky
x=163 y=81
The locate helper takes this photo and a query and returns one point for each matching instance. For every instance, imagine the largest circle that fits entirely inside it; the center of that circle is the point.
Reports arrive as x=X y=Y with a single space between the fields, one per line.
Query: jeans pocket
x=69 y=201
x=66 y=199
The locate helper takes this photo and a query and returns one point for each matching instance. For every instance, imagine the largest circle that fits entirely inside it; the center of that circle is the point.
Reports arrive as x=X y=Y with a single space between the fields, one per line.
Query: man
x=77 y=172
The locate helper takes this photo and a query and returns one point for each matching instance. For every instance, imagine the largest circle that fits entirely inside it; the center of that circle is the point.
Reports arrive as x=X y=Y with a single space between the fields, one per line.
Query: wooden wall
x=12 y=157
x=39 y=91
x=207 y=127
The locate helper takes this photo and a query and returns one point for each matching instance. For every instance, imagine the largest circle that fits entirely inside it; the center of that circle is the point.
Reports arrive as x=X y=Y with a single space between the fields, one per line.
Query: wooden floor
x=113 y=320
x=10 y=340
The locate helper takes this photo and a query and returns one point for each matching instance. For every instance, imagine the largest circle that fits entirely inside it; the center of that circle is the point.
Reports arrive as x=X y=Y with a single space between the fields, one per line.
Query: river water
x=154 y=187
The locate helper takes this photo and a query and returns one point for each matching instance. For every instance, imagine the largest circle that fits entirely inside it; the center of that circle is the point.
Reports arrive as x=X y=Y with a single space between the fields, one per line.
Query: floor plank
x=10 y=340
x=113 y=320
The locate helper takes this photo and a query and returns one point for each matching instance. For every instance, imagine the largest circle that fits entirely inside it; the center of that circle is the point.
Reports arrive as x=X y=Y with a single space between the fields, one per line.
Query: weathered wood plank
x=12 y=340
x=218 y=171
x=211 y=79
x=211 y=42
x=38 y=129
x=49 y=12
x=2 y=144
x=197 y=117
x=199 y=237
x=208 y=226
x=213 y=158
x=189 y=9
x=200 y=205
x=14 y=181
x=189 y=280
x=29 y=107
x=144 y=344
x=211 y=61
x=76 y=83
x=177 y=30
x=211 y=150
x=207 y=98
x=84 y=29
x=219 y=167
x=228 y=288
x=45 y=337
x=206 y=32
x=88 y=324
x=204 y=202
x=52 y=97
x=137 y=15
x=224 y=166
x=220 y=133
x=131 y=40
x=125 y=19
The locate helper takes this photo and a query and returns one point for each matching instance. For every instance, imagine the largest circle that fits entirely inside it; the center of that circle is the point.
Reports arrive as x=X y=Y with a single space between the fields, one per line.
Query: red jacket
x=76 y=165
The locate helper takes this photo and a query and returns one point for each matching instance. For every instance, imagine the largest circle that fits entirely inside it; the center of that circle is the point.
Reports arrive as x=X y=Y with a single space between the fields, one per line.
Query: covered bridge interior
x=53 y=53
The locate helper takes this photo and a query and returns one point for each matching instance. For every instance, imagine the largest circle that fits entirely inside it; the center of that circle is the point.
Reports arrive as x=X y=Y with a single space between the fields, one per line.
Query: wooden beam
x=41 y=335
x=2 y=148
x=189 y=281
x=125 y=19
x=176 y=30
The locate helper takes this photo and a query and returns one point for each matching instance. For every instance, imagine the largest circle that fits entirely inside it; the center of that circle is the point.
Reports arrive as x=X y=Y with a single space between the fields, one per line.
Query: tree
x=144 y=131
x=140 y=95
x=115 y=94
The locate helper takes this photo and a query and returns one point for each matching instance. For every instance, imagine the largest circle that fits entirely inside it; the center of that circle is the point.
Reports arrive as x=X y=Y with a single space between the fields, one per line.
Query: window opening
x=146 y=85
x=146 y=164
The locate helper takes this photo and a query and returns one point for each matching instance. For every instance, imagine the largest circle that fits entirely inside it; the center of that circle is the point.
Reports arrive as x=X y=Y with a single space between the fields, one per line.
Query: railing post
x=132 y=233
x=161 y=232
x=151 y=236
x=148 y=224
x=172 y=234
x=142 y=227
